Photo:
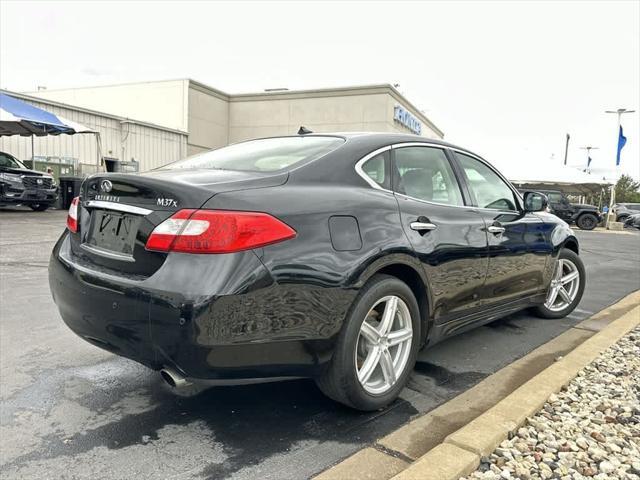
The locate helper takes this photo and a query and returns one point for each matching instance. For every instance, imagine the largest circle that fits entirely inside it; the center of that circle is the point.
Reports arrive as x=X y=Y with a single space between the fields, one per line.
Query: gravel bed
x=590 y=430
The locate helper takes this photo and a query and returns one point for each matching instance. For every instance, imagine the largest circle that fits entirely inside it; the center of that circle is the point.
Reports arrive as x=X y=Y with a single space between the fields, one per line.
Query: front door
x=448 y=236
x=518 y=249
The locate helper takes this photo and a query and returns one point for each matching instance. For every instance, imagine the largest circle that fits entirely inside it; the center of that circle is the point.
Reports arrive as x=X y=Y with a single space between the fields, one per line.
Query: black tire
x=622 y=218
x=339 y=381
x=543 y=311
x=39 y=207
x=587 y=221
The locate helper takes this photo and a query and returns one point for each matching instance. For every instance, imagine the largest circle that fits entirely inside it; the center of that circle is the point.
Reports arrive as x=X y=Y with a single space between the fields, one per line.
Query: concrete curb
x=481 y=436
x=448 y=442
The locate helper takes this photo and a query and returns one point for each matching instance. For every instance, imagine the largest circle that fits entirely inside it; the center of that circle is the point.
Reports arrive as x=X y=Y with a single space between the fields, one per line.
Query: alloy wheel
x=384 y=345
x=564 y=285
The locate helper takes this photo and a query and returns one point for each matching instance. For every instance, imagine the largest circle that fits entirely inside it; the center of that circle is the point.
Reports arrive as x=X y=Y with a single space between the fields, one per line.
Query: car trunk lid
x=118 y=212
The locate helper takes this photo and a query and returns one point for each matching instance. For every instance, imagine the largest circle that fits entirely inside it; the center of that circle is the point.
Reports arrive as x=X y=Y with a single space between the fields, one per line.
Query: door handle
x=422 y=226
x=495 y=229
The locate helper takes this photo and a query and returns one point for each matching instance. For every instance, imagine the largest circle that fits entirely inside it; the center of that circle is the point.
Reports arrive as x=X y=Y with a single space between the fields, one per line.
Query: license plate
x=113 y=231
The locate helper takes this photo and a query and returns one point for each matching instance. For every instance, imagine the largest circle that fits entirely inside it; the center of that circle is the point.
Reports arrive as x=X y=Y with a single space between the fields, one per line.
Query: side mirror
x=535 y=202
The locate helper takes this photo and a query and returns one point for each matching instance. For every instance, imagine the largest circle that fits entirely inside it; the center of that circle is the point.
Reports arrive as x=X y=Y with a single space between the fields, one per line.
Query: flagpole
x=612 y=198
x=589 y=159
x=566 y=148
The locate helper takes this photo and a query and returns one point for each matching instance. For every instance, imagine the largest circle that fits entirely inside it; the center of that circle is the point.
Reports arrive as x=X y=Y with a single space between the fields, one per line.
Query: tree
x=627 y=190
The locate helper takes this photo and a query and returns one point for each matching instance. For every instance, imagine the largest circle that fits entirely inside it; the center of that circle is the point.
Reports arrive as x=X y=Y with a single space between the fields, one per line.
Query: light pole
x=612 y=197
x=588 y=149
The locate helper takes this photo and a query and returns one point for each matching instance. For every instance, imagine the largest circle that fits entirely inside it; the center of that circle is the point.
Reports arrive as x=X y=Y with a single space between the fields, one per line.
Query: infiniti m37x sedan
x=335 y=257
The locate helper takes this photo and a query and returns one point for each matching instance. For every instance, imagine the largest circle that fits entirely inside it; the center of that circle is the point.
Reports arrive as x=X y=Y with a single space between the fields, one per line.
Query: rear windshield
x=265 y=155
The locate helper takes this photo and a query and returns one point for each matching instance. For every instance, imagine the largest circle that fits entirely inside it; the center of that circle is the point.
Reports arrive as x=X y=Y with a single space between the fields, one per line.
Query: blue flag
x=622 y=140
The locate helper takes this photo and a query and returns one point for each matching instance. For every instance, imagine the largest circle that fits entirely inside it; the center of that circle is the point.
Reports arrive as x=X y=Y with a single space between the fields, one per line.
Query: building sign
x=405 y=118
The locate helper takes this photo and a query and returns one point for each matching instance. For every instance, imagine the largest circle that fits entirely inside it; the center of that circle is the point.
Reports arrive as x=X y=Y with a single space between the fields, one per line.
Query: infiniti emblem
x=106 y=186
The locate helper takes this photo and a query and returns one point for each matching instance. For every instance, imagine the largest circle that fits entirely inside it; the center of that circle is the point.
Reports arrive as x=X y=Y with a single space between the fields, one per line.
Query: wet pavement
x=70 y=410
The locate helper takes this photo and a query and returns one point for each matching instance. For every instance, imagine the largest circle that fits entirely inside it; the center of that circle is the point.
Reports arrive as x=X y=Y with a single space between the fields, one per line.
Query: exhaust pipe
x=173 y=378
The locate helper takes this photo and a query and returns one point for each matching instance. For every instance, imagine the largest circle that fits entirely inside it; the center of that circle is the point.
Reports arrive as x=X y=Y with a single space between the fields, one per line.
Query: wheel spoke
x=370 y=364
x=388 y=316
x=551 y=299
x=559 y=269
x=570 y=277
x=564 y=294
x=369 y=332
x=399 y=336
x=386 y=362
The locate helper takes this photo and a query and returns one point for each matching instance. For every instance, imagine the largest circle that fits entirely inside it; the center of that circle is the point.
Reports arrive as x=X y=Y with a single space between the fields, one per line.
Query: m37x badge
x=167 y=202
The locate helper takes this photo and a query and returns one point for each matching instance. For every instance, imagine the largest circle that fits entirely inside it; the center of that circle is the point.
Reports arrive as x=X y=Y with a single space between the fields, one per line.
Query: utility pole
x=566 y=148
x=619 y=112
x=588 y=149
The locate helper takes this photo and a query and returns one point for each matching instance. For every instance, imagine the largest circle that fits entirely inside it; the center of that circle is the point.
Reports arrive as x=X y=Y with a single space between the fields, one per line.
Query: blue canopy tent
x=21 y=118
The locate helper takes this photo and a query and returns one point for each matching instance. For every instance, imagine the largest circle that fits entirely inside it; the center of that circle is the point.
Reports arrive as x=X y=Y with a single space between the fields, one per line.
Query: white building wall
x=162 y=103
x=149 y=145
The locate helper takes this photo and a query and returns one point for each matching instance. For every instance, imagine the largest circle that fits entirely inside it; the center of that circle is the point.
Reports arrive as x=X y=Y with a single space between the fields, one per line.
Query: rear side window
x=425 y=174
x=489 y=189
x=377 y=169
x=265 y=155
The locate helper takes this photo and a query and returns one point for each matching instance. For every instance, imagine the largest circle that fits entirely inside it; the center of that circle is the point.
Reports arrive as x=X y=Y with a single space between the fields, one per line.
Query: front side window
x=265 y=155
x=425 y=174
x=487 y=186
x=554 y=197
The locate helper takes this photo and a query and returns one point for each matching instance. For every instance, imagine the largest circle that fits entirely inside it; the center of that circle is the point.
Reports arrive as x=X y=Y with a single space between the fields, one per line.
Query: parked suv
x=624 y=210
x=586 y=217
x=22 y=186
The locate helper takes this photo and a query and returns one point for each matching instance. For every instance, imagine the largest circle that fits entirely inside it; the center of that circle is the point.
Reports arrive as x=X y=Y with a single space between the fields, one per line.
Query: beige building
x=212 y=118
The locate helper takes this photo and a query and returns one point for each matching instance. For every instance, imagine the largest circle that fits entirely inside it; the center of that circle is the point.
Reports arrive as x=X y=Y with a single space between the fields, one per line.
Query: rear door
x=518 y=249
x=448 y=236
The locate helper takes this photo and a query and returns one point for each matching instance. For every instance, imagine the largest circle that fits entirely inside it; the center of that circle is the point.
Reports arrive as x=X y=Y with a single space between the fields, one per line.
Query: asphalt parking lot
x=71 y=410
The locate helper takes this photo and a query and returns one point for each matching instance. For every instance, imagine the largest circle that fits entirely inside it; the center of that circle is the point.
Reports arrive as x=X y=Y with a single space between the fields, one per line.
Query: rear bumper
x=210 y=317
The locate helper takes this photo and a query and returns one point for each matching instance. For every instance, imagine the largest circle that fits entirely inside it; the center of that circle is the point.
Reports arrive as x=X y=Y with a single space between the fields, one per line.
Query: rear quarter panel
x=315 y=284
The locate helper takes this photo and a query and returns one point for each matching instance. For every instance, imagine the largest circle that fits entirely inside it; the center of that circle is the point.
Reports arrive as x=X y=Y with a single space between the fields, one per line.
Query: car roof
x=379 y=139
x=399 y=137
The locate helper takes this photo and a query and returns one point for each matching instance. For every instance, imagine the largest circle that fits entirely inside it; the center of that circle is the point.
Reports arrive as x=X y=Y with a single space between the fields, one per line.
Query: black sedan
x=335 y=257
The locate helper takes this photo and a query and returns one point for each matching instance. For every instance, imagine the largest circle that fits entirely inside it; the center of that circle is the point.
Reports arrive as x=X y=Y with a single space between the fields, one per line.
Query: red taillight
x=72 y=217
x=217 y=231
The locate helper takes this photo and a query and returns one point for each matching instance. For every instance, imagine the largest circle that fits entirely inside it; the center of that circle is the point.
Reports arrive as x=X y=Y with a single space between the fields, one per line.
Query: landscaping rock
x=589 y=430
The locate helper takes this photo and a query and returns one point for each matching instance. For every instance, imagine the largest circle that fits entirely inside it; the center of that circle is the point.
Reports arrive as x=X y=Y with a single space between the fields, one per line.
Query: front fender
x=562 y=236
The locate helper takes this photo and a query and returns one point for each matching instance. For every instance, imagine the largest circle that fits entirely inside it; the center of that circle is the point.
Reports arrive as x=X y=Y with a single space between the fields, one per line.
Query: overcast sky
x=505 y=79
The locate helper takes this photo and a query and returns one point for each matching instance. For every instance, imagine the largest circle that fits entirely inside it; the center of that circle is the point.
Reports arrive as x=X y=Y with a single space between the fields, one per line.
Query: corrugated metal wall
x=150 y=146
